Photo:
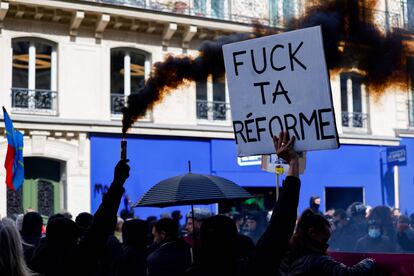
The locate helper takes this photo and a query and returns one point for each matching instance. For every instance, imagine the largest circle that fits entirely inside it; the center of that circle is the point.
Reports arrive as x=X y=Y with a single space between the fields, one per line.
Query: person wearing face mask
x=374 y=240
x=277 y=252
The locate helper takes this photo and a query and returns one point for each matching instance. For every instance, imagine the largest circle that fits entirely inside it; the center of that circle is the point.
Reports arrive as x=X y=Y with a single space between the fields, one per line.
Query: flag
x=14 y=158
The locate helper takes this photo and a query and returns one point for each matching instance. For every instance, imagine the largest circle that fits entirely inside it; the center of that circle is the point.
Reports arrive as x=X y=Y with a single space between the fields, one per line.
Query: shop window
x=342 y=197
x=212 y=102
x=34 y=76
x=353 y=103
x=129 y=70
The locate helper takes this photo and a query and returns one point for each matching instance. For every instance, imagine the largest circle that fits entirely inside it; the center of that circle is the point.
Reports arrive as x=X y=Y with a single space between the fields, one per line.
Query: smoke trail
x=174 y=72
x=351 y=40
x=380 y=56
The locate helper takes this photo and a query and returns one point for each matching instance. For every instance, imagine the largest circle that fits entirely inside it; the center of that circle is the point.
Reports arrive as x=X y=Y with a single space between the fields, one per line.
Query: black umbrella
x=190 y=189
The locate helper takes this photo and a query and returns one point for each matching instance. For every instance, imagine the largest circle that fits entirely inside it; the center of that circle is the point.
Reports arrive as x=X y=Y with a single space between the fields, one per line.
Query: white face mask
x=374 y=233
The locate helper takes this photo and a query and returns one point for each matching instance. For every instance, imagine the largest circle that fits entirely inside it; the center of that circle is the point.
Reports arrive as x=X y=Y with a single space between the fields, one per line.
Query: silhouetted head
x=176 y=215
x=127 y=214
x=134 y=232
x=200 y=215
x=218 y=239
x=164 y=230
x=412 y=219
x=32 y=225
x=255 y=222
x=312 y=232
x=356 y=209
x=382 y=216
x=340 y=217
x=84 y=220
x=314 y=203
x=62 y=232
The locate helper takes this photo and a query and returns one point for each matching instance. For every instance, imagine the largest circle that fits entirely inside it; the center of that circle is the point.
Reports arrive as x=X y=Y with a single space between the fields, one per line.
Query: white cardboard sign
x=280 y=82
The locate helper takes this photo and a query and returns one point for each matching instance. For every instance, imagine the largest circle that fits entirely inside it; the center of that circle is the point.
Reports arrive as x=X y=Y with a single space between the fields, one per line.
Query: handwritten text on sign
x=280 y=83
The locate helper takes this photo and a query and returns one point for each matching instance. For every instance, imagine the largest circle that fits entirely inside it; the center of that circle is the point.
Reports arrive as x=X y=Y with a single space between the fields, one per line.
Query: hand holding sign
x=284 y=147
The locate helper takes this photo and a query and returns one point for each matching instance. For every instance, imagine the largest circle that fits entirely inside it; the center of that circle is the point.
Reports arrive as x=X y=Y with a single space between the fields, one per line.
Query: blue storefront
x=328 y=174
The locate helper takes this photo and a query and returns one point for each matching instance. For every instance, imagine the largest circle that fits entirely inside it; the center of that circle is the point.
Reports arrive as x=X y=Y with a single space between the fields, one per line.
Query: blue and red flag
x=14 y=158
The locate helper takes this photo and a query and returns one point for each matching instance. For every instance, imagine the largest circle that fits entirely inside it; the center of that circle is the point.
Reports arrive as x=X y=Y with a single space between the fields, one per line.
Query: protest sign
x=280 y=83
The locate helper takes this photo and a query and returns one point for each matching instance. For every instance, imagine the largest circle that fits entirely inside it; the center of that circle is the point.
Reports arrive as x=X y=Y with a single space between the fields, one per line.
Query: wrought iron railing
x=384 y=20
x=213 y=111
x=411 y=113
x=218 y=9
x=118 y=103
x=34 y=100
x=355 y=120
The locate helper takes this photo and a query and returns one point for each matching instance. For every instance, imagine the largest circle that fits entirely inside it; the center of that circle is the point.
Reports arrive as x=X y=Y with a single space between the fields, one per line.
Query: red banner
x=389 y=263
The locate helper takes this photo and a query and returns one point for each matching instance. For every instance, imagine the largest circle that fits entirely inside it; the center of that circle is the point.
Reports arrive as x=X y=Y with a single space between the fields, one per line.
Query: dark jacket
x=81 y=258
x=172 y=258
x=318 y=264
x=406 y=240
x=133 y=261
x=368 y=244
x=274 y=243
x=346 y=238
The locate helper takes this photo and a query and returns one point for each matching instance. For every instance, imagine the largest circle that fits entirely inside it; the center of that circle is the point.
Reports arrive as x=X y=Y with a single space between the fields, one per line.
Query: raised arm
x=274 y=242
x=104 y=221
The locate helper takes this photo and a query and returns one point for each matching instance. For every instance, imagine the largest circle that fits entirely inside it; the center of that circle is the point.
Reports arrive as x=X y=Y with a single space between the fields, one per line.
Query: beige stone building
x=67 y=66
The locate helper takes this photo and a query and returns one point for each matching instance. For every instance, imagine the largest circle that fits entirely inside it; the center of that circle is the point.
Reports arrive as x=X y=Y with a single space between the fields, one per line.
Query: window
x=212 y=104
x=341 y=198
x=353 y=102
x=34 y=76
x=410 y=15
x=281 y=11
x=410 y=69
x=129 y=70
x=213 y=8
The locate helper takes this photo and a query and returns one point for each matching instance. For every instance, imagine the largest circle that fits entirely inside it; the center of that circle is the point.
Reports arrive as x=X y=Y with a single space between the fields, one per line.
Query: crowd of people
x=206 y=245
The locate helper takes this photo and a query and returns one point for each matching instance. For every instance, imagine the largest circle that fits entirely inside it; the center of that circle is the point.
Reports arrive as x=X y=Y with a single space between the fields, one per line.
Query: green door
x=42 y=195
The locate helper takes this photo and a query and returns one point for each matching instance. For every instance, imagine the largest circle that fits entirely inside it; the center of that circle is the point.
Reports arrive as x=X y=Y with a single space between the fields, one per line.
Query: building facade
x=67 y=66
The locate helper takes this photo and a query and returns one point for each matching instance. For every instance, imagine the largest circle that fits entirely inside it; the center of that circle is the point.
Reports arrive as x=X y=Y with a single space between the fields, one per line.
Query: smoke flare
x=174 y=72
x=351 y=41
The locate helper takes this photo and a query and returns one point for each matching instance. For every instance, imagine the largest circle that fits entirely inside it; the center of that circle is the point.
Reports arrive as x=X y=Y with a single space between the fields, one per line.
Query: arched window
x=34 y=76
x=129 y=70
x=353 y=102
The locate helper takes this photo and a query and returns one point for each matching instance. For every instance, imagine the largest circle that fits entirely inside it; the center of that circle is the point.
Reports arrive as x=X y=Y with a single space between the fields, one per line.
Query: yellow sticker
x=279 y=170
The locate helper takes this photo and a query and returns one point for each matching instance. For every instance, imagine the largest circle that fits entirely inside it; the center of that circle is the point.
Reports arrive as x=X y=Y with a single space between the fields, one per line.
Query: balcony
x=411 y=113
x=235 y=11
x=355 y=121
x=384 y=20
x=118 y=103
x=34 y=101
x=215 y=111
